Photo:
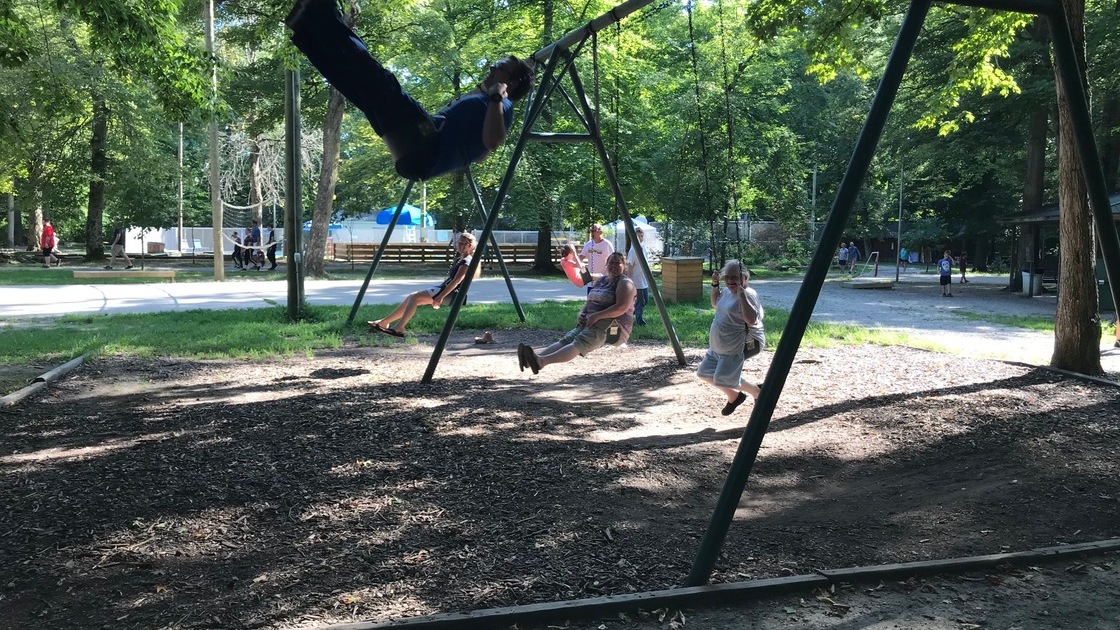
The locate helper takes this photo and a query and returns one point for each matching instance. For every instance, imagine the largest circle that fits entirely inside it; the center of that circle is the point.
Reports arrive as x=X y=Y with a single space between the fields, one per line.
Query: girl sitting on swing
x=609 y=311
x=432 y=295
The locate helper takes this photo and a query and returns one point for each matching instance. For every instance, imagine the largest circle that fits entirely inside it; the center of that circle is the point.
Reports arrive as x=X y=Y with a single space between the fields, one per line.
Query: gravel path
x=915 y=306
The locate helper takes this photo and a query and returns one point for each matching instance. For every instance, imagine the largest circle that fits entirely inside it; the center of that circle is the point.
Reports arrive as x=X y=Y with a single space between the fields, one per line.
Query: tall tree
x=1077 y=329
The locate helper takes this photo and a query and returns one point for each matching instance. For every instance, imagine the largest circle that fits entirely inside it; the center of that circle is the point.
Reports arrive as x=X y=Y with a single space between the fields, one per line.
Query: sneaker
x=109 y=267
x=128 y=267
x=948 y=295
x=730 y=407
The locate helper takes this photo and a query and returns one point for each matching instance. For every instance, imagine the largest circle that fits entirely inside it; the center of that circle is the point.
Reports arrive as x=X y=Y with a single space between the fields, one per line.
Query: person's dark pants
x=272 y=256
x=246 y=256
x=237 y=255
x=640 y=301
x=345 y=62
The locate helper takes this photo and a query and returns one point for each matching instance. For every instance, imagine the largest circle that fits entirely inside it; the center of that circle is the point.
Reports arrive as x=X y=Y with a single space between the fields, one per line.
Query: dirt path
x=210 y=494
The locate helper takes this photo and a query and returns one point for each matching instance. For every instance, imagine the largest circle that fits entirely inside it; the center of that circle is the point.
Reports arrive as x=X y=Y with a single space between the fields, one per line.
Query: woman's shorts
x=586 y=339
x=725 y=370
x=946 y=280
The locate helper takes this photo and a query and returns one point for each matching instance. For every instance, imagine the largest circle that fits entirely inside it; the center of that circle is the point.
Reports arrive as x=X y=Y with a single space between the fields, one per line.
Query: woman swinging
x=434 y=296
x=609 y=305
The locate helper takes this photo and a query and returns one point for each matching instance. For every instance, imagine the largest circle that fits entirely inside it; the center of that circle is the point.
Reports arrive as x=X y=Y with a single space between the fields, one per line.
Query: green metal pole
x=1066 y=58
x=534 y=108
x=620 y=202
x=377 y=256
x=807 y=296
x=293 y=197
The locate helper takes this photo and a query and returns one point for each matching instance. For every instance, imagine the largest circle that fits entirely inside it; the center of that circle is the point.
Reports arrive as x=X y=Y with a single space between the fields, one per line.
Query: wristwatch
x=495 y=97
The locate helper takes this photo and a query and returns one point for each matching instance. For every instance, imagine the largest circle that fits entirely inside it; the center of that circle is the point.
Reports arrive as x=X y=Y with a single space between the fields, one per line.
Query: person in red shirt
x=48 y=241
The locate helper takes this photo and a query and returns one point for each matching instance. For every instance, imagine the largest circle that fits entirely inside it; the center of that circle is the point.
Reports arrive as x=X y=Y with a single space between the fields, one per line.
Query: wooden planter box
x=682 y=279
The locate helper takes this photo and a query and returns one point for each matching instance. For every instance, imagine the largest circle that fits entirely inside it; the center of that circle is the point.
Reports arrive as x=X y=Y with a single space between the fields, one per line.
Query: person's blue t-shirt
x=460 y=135
x=945 y=267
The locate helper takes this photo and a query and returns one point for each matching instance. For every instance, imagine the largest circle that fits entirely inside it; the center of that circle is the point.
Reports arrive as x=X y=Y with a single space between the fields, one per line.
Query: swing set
x=557 y=60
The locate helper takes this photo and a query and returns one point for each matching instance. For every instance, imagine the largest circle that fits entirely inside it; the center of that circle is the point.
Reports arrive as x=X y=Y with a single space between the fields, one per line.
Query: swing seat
x=574 y=271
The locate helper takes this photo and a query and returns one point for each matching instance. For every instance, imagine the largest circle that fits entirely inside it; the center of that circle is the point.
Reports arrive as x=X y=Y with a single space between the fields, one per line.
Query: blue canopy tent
x=410 y=215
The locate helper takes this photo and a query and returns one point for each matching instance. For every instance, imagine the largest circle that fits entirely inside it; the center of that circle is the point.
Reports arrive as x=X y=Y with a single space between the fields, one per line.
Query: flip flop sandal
x=531 y=359
x=387 y=331
x=521 y=361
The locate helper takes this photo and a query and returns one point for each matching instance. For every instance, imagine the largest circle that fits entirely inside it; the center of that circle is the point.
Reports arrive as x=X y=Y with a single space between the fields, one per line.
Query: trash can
x=1036 y=282
x=1027 y=281
x=1104 y=293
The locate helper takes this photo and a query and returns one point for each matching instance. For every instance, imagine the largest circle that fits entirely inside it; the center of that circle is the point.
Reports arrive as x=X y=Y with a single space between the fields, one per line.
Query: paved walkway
x=914 y=306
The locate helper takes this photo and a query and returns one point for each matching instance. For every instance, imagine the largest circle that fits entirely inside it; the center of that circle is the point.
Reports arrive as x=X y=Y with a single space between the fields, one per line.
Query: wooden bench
x=425 y=252
x=125 y=273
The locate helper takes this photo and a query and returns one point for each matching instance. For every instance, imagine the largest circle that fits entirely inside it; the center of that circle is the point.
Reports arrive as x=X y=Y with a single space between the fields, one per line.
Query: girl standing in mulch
x=738 y=314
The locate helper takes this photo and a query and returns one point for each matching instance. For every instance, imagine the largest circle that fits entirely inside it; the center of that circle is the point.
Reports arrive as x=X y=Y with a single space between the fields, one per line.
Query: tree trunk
x=99 y=168
x=1033 y=186
x=11 y=220
x=328 y=176
x=1077 y=328
x=35 y=221
x=324 y=196
x=542 y=260
x=255 y=211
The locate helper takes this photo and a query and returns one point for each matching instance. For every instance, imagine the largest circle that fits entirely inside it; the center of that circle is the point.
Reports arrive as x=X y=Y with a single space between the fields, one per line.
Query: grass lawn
x=267 y=333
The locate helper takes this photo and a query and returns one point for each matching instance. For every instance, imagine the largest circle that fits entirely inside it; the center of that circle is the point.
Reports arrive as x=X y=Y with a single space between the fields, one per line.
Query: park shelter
x=1040 y=228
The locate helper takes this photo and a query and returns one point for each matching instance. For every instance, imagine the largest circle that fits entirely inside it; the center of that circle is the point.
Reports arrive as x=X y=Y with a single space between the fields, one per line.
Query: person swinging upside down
x=423 y=146
x=433 y=295
x=610 y=304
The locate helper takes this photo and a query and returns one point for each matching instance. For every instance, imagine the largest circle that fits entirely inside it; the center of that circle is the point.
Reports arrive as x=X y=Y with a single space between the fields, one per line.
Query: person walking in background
x=116 y=248
x=271 y=247
x=903 y=258
x=842 y=258
x=49 y=242
x=945 y=273
x=638 y=277
x=246 y=250
x=236 y=249
x=256 y=254
x=963 y=263
x=737 y=309
x=853 y=256
x=596 y=251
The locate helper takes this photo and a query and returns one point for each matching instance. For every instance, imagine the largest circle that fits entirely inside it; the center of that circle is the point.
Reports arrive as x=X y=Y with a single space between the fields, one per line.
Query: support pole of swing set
x=380 y=250
x=620 y=203
x=481 y=205
x=533 y=110
x=293 y=196
x=806 y=300
x=215 y=176
x=577 y=35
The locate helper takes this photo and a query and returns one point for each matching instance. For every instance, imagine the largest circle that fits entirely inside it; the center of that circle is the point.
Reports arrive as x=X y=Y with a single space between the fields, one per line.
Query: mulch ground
x=169 y=493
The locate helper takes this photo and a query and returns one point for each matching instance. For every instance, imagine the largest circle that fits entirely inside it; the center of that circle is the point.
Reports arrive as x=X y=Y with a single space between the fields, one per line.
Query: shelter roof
x=1049 y=213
